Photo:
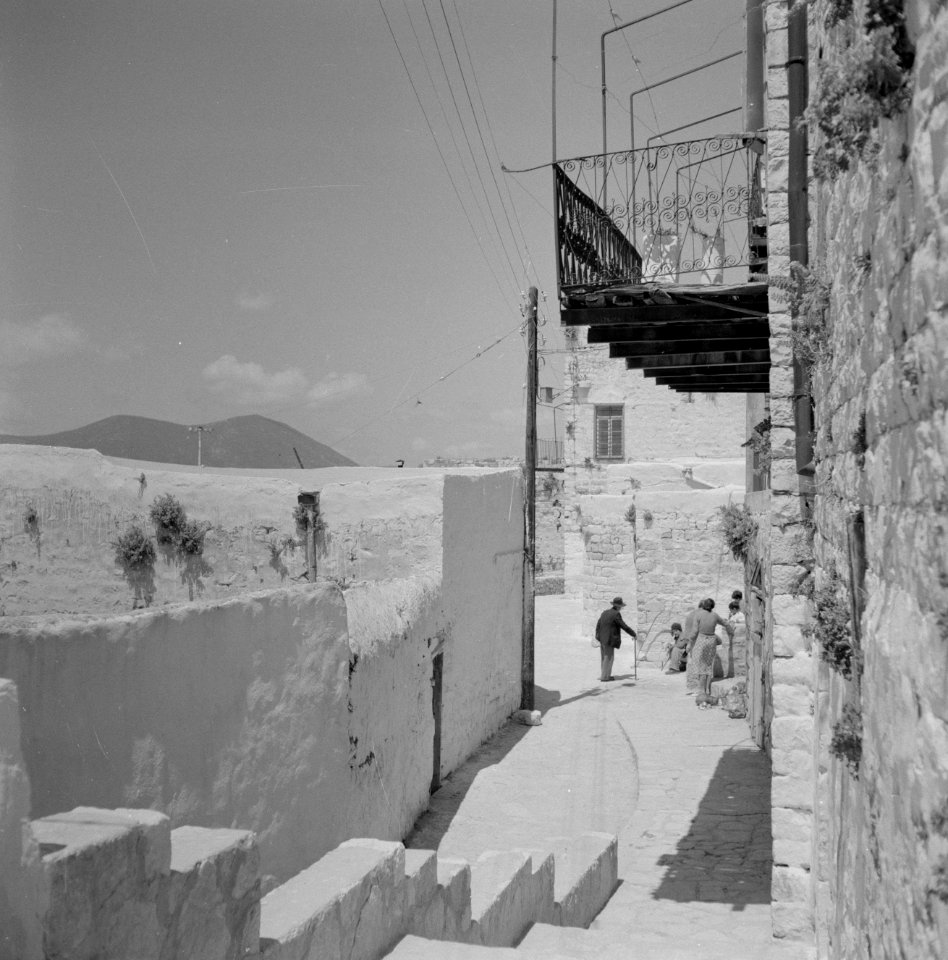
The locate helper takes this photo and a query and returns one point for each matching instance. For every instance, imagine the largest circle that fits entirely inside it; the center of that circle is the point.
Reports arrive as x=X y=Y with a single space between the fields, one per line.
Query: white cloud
x=248 y=383
x=51 y=335
x=336 y=386
x=254 y=302
x=420 y=444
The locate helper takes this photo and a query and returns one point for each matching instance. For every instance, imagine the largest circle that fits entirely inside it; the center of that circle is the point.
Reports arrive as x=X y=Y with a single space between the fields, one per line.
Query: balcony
x=662 y=253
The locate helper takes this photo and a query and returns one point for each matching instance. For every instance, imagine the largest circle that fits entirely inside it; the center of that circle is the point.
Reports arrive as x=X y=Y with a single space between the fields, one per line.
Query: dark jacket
x=608 y=627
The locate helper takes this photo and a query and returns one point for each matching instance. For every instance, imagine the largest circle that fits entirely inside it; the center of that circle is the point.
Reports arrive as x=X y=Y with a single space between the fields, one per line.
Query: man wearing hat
x=607 y=633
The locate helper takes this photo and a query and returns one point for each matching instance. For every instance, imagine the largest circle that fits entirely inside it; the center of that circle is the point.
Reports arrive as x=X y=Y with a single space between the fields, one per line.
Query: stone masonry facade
x=860 y=756
x=644 y=524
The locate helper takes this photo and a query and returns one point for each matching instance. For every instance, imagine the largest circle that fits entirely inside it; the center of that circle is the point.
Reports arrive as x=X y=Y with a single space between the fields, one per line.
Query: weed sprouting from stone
x=846 y=744
x=759 y=444
x=738 y=528
x=832 y=628
x=868 y=81
x=860 y=441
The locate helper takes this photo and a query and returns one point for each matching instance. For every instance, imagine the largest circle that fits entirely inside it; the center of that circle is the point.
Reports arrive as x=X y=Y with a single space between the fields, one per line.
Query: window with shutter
x=608 y=432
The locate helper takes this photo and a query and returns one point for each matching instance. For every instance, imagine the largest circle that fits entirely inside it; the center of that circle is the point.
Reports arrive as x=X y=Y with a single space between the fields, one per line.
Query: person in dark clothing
x=607 y=633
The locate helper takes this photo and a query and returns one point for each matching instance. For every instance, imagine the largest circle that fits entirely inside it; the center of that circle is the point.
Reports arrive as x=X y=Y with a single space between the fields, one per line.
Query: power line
x=444 y=162
x=480 y=353
x=490 y=133
x=477 y=126
x=467 y=138
x=450 y=130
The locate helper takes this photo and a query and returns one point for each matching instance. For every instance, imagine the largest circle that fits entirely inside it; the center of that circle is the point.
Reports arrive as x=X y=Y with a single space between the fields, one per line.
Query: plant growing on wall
x=846 y=743
x=759 y=443
x=807 y=292
x=869 y=80
x=167 y=515
x=832 y=627
x=738 y=528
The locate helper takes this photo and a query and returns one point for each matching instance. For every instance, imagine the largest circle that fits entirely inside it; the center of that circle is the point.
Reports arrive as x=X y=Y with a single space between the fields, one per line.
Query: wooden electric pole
x=530 y=508
x=200 y=428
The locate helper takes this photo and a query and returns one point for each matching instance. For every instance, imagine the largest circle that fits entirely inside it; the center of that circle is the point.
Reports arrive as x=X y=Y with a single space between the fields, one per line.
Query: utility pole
x=530 y=509
x=199 y=428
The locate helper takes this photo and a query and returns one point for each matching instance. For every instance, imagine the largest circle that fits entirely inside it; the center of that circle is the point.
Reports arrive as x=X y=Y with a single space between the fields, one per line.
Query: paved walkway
x=686 y=790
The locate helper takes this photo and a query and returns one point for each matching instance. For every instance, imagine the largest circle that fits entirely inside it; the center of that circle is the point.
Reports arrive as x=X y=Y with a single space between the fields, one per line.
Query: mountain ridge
x=244 y=441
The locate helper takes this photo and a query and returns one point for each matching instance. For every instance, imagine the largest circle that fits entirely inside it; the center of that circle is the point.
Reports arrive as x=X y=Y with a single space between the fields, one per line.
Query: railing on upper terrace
x=675 y=213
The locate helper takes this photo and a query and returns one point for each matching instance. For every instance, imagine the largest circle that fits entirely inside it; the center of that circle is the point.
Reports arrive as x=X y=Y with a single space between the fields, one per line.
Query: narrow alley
x=687 y=792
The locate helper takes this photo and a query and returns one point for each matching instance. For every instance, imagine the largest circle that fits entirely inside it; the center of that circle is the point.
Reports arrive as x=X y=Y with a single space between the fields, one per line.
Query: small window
x=609 y=432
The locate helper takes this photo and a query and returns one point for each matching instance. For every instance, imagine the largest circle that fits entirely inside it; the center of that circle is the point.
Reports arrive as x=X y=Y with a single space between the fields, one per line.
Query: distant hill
x=238 y=442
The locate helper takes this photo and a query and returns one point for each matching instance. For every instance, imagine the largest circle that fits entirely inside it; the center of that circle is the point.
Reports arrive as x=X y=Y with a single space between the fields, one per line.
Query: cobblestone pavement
x=686 y=790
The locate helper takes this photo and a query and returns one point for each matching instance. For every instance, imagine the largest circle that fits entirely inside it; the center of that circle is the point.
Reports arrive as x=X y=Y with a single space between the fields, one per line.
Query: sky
x=211 y=208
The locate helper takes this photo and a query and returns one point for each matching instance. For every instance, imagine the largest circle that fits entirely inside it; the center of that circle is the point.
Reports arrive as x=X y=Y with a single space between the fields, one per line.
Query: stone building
x=646 y=474
x=828 y=319
x=849 y=567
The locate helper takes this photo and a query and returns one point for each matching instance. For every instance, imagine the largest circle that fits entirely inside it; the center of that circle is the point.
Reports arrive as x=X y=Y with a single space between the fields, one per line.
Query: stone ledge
x=418 y=948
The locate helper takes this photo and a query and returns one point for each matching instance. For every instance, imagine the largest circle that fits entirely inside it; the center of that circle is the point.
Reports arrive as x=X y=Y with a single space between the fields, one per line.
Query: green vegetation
x=134 y=550
x=832 y=629
x=168 y=516
x=191 y=535
x=759 y=443
x=868 y=81
x=739 y=529
x=846 y=744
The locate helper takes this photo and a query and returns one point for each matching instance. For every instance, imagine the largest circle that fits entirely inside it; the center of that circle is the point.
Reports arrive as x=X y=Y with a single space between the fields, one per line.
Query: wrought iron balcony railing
x=676 y=213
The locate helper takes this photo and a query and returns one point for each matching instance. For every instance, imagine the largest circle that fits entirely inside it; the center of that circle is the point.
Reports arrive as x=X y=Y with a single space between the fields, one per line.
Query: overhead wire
x=457 y=148
x=444 y=161
x=415 y=396
x=467 y=140
x=477 y=126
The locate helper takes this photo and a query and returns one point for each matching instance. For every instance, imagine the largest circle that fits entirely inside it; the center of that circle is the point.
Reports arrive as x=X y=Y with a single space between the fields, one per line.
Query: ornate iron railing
x=675 y=213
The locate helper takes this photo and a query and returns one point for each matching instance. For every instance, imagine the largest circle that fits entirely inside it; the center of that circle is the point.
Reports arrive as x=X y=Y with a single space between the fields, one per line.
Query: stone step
x=547 y=942
x=104 y=871
x=347 y=904
x=419 y=948
x=213 y=894
x=503 y=895
x=587 y=871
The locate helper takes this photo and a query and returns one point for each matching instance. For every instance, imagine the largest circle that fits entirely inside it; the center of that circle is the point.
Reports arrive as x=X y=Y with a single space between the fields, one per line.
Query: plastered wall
x=304 y=713
x=219 y=713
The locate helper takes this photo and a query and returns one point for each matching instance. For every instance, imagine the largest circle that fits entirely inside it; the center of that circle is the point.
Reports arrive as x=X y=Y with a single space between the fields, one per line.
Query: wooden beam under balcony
x=710 y=330
x=697 y=381
x=654 y=313
x=719 y=358
x=666 y=348
x=709 y=370
x=723 y=388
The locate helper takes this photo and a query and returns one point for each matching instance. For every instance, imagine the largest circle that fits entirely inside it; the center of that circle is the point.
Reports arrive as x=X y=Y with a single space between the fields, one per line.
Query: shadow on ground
x=725 y=857
x=433 y=824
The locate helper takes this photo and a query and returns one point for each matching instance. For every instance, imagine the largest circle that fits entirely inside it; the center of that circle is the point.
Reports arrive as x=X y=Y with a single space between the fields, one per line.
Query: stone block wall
x=882 y=449
x=659 y=423
x=787 y=691
x=681 y=556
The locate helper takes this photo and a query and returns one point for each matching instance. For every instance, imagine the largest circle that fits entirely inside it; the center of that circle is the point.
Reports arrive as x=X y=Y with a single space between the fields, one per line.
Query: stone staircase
x=123 y=884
